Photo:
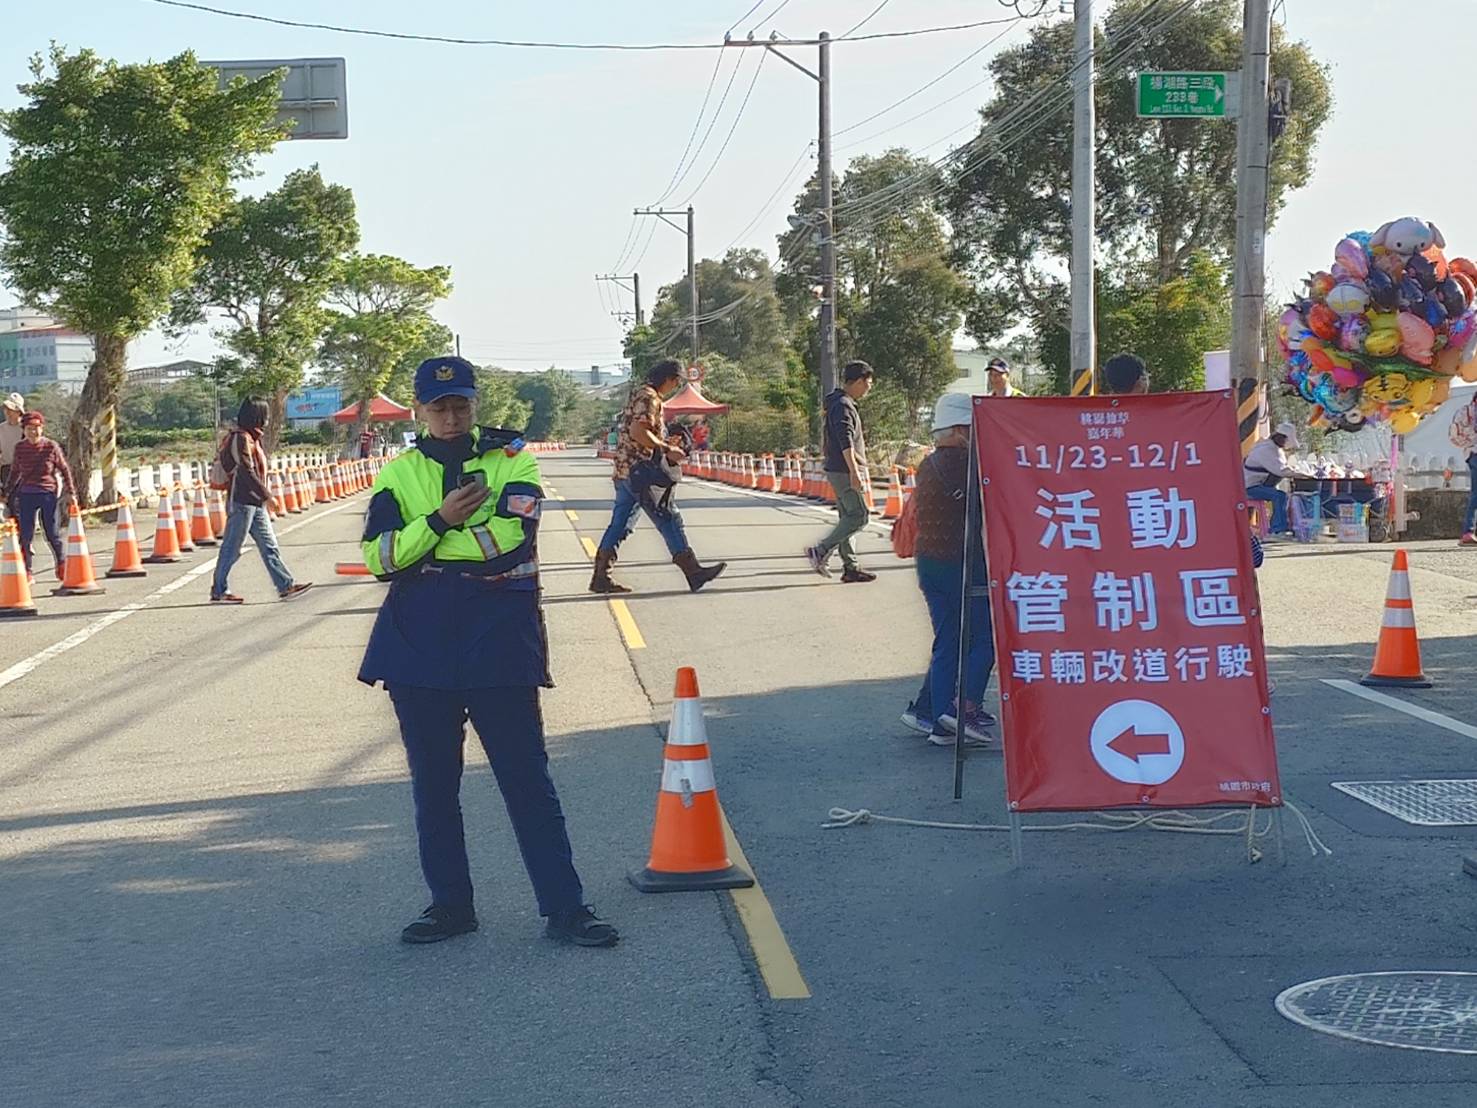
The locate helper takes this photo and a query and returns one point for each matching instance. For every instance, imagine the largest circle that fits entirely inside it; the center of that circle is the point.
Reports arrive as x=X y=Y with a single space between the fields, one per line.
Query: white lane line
x=878 y=526
x=1456 y=726
x=102 y=623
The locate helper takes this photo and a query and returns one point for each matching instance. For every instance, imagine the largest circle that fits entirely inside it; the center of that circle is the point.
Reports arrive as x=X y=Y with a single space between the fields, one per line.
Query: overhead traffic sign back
x=314 y=97
x=1185 y=95
x=1125 y=604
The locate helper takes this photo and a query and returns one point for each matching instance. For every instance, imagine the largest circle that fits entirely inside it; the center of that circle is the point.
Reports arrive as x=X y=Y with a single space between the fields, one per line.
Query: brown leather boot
x=601 y=581
x=697 y=575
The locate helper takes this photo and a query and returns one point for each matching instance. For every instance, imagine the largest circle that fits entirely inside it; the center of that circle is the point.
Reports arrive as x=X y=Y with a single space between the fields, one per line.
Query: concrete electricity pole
x=662 y=213
x=1084 y=203
x=825 y=218
x=634 y=288
x=1252 y=146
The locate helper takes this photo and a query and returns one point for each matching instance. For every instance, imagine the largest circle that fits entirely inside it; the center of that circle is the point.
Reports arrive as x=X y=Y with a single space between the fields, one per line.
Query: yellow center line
x=572 y=514
x=772 y=953
x=589 y=545
x=629 y=631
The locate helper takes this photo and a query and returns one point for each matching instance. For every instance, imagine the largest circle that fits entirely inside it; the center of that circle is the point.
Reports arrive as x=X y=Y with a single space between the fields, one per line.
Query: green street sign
x=1183 y=95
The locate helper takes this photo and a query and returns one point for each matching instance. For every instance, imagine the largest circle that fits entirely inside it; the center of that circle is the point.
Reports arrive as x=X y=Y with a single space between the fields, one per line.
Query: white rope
x=1175 y=821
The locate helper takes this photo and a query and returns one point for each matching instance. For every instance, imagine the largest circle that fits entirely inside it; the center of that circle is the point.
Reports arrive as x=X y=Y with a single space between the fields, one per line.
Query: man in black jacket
x=846 y=459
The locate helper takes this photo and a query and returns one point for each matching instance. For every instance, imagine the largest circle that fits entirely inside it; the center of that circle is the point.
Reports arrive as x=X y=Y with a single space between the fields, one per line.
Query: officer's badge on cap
x=448 y=376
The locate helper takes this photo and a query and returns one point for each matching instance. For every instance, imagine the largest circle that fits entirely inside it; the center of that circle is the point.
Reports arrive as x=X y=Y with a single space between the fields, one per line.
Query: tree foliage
x=116 y=174
x=1165 y=188
x=752 y=332
x=498 y=402
x=177 y=404
x=379 y=315
x=266 y=266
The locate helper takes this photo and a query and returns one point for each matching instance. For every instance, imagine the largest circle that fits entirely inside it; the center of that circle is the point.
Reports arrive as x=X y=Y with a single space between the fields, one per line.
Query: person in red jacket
x=38 y=472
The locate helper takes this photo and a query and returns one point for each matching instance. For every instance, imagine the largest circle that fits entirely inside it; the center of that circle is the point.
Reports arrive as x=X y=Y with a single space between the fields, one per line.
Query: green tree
x=906 y=327
x=116 y=174
x=435 y=341
x=552 y=398
x=1165 y=188
x=266 y=267
x=750 y=329
x=498 y=403
x=188 y=403
x=379 y=312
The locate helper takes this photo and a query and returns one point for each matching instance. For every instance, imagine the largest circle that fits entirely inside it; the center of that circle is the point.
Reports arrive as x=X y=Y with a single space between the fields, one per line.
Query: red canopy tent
x=691 y=402
x=381 y=410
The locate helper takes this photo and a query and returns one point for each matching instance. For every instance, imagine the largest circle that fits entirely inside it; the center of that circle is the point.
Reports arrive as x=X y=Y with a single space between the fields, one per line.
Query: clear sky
x=519 y=168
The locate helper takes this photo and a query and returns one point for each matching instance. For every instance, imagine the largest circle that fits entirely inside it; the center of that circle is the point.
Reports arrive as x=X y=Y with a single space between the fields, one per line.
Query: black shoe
x=581 y=927
x=857 y=576
x=437 y=923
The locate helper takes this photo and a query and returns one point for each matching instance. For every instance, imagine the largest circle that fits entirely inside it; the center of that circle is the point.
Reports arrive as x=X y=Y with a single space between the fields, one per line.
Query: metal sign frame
x=314 y=96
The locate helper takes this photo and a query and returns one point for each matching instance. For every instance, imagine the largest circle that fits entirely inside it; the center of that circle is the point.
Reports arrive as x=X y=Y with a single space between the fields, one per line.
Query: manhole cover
x=1427 y=803
x=1414 y=1010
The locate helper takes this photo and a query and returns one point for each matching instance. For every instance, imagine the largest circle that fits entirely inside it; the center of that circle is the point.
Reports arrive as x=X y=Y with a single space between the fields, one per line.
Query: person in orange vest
x=38 y=472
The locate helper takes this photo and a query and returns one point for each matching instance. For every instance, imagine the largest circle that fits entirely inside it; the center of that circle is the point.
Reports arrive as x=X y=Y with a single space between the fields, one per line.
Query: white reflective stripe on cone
x=1400 y=617
x=688 y=777
x=1399 y=586
x=687 y=724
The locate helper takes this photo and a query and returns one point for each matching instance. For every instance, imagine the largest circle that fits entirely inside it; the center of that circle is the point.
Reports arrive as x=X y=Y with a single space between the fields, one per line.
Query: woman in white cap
x=941 y=547
x=1265 y=467
x=10 y=434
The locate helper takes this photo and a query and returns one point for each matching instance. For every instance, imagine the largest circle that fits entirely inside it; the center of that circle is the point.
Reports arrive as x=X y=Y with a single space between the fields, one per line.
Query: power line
x=713 y=122
x=532 y=44
x=752 y=9
x=769 y=203
x=696 y=123
x=924 y=88
x=738 y=115
x=869 y=17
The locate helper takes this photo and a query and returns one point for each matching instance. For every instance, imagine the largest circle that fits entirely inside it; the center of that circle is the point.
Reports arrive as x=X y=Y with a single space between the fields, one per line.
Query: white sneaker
x=915 y=722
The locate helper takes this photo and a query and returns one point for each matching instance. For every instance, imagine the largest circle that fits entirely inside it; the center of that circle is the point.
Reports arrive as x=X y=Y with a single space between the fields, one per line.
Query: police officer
x=452 y=525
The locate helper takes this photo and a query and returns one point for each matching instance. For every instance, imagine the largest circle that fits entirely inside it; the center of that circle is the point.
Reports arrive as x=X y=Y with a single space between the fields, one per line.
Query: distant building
x=36 y=351
x=157 y=376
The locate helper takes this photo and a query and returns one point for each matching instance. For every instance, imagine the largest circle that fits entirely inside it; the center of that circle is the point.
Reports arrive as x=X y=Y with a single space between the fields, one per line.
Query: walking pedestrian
x=640 y=445
x=245 y=463
x=10 y=434
x=38 y=473
x=453 y=526
x=940 y=550
x=845 y=465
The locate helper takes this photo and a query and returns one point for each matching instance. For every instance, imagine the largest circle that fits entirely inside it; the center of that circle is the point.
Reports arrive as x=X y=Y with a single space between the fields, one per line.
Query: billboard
x=314 y=404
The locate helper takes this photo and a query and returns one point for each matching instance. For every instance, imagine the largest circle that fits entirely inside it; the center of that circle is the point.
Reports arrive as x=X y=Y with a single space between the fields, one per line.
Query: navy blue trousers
x=511 y=728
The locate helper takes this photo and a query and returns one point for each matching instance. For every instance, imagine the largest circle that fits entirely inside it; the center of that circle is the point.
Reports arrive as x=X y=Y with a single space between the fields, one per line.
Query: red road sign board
x=1125 y=604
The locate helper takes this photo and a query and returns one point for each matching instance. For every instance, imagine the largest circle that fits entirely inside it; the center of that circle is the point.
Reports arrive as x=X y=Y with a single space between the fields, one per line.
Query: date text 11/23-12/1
x=1171 y=456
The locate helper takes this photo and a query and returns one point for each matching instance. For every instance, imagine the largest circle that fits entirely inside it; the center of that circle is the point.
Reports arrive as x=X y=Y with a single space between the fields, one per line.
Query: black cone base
x=649 y=880
x=126 y=573
x=1420 y=681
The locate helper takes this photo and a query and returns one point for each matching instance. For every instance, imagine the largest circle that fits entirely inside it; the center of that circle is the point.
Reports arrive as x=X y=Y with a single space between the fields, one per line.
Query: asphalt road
x=206 y=855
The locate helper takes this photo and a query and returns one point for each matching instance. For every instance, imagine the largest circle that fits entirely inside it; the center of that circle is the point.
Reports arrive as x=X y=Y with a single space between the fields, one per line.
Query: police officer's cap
x=448 y=376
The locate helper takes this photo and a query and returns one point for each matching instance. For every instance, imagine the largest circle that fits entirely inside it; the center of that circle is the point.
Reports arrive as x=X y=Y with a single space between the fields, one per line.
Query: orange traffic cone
x=127 y=561
x=181 y=511
x=78 y=578
x=687 y=847
x=894 y=505
x=166 y=537
x=15 y=589
x=218 y=512
x=201 y=532
x=286 y=492
x=1397 y=655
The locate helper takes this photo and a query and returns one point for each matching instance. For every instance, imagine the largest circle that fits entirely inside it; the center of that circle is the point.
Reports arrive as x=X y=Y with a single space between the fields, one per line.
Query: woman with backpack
x=244 y=463
x=939 y=548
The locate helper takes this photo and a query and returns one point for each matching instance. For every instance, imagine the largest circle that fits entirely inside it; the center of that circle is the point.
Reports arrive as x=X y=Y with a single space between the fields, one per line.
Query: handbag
x=905 y=529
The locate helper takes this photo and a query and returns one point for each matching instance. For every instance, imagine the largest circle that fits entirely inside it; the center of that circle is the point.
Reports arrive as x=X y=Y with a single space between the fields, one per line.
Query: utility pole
x=662 y=213
x=825 y=218
x=828 y=238
x=1084 y=203
x=692 y=280
x=634 y=288
x=1252 y=146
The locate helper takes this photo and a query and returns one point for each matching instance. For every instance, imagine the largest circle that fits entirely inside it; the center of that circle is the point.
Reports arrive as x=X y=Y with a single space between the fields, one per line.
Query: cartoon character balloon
x=1384 y=330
